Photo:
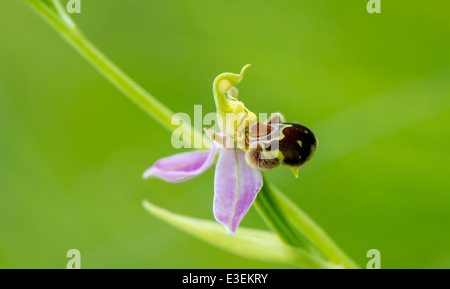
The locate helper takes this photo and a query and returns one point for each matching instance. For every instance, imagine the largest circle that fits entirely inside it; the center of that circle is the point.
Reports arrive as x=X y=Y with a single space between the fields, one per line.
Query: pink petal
x=182 y=167
x=236 y=185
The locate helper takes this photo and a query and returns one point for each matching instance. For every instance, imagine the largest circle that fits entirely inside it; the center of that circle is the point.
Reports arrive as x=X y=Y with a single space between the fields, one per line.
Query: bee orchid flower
x=246 y=147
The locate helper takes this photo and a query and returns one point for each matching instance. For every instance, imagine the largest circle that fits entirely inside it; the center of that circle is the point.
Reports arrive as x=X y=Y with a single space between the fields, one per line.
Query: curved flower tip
x=236 y=185
x=182 y=167
x=222 y=84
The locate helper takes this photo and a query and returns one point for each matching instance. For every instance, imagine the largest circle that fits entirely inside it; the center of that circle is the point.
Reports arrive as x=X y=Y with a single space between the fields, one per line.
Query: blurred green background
x=375 y=89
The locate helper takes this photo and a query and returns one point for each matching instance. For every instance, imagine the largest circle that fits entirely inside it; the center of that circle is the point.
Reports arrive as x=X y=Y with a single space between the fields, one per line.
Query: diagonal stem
x=277 y=221
x=57 y=17
x=295 y=227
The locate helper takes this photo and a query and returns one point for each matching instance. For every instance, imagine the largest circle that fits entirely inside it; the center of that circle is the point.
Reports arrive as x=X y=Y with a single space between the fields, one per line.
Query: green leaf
x=248 y=243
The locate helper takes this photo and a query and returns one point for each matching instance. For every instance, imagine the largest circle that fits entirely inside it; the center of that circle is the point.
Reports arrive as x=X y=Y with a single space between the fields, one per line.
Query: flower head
x=246 y=147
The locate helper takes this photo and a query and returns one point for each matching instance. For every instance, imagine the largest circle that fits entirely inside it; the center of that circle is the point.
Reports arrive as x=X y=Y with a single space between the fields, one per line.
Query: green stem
x=56 y=16
x=278 y=223
x=281 y=213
